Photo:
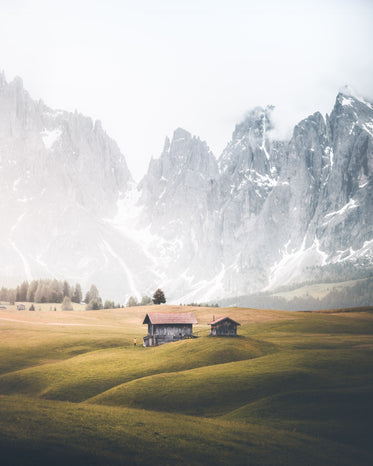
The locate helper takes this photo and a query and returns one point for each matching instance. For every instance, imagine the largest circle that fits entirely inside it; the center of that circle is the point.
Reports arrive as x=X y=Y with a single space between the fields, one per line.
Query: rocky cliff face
x=328 y=199
x=180 y=199
x=260 y=217
x=61 y=175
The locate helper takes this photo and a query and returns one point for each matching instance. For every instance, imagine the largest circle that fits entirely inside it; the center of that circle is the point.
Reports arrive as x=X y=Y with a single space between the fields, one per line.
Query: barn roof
x=221 y=319
x=170 y=318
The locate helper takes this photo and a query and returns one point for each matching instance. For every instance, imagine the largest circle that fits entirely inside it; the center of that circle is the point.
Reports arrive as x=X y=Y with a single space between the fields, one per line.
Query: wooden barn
x=167 y=327
x=224 y=327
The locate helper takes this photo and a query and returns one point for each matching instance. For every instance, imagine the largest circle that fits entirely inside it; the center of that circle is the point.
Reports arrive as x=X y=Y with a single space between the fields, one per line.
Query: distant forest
x=356 y=295
x=53 y=291
x=42 y=291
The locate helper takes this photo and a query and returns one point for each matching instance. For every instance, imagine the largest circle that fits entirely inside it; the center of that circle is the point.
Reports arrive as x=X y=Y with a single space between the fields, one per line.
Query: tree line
x=158 y=298
x=54 y=291
x=60 y=291
x=42 y=291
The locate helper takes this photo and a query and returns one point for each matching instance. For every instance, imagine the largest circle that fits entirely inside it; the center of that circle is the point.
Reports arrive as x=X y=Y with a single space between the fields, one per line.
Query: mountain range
x=265 y=214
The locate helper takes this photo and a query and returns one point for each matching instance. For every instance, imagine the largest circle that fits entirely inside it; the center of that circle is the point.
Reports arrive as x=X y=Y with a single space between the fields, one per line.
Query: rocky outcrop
x=61 y=175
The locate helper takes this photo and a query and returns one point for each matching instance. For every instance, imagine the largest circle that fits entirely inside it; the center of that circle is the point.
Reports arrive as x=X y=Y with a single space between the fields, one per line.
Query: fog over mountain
x=258 y=217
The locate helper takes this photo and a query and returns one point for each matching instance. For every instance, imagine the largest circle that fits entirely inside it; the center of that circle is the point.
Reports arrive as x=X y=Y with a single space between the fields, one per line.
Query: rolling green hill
x=292 y=389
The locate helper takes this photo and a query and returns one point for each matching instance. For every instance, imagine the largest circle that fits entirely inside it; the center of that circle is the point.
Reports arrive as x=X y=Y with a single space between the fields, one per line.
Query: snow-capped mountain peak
x=261 y=216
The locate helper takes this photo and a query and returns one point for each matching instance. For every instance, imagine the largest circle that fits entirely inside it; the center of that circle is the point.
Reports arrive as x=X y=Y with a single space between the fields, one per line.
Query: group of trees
x=42 y=291
x=55 y=291
x=158 y=298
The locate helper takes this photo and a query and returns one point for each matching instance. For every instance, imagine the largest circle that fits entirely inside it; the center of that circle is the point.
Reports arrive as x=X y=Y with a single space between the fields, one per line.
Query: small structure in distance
x=224 y=327
x=167 y=327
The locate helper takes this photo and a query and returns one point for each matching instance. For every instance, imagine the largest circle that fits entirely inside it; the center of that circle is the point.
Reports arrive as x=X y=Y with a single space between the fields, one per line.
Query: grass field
x=294 y=388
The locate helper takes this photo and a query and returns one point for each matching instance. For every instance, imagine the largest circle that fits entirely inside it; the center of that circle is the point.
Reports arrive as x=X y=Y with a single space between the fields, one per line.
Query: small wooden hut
x=167 y=327
x=224 y=327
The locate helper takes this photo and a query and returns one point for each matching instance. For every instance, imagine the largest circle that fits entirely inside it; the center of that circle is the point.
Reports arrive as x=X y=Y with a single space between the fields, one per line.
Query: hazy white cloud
x=147 y=67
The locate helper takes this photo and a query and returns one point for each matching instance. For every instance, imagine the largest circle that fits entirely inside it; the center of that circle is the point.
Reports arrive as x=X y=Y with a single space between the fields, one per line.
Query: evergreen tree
x=55 y=291
x=31 y=291
x=77 y=294
x=23 y=290
x=66 y=289
x=146 y=300
x=18 y=293
x=39 y=292
x=4 y=294
x=159 y=297
x=132 y=302
x=12 y=296
x=92 y=294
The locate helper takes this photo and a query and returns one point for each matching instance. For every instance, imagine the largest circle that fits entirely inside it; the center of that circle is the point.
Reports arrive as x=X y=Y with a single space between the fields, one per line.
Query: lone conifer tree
x=159 y=297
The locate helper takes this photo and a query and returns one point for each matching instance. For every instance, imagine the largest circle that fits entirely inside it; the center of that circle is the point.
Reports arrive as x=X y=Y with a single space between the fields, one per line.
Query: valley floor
x=293 y=388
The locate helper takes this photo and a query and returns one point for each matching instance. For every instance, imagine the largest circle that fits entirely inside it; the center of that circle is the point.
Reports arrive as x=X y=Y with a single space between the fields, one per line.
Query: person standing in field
x=134 y=341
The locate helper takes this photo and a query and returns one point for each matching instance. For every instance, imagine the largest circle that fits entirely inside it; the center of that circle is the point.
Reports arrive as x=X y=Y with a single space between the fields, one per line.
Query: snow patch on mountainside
x=204 y=290
x=352 y=204
x=292 y=264
x=26 y=265
x=50 y=137
x=130 y=276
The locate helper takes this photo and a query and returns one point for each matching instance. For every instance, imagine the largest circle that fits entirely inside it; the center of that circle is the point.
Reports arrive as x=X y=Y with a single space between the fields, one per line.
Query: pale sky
x=146 y=67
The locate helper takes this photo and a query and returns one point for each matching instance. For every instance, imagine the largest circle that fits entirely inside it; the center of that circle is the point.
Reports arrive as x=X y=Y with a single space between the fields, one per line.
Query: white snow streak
x=293 y=263
x=26 y=265
x=368 y=127
x=352 y=204
x=124 y=266
x=263 y=147
x=50 y=137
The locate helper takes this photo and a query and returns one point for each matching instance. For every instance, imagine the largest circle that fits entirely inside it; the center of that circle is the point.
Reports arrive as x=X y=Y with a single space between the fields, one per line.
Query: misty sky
x=147 y=67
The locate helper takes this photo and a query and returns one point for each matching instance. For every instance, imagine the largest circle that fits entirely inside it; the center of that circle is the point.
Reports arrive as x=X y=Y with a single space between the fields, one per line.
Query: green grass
x=293 y=389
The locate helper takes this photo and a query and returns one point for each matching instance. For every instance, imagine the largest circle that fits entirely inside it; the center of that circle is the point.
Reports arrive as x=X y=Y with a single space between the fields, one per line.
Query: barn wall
x=224 y=329
x=166 y=333
x=173 y=330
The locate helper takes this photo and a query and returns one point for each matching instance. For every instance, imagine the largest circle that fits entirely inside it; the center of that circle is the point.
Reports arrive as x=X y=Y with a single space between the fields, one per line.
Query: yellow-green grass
x=56 y=432
x=293 y=388
x=217 y=390
x=341 y=414
x=43 y=306
x=87 y=375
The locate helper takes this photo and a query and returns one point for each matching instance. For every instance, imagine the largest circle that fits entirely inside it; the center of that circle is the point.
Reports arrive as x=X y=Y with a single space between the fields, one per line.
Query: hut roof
x=221 y=319
x=170 y=318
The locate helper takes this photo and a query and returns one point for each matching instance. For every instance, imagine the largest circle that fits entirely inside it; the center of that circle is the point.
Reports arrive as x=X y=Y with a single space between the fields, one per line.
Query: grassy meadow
x=293 y=388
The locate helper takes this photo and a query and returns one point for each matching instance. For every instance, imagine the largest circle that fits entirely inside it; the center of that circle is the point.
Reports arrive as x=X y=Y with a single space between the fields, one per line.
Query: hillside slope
x=292 y=388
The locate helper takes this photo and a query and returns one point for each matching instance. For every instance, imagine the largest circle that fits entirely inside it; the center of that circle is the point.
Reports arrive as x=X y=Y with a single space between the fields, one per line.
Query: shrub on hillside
x=66 y=304
x=94 y=304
